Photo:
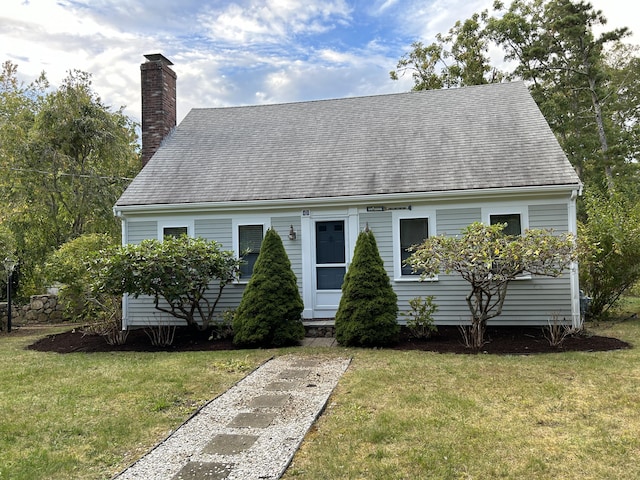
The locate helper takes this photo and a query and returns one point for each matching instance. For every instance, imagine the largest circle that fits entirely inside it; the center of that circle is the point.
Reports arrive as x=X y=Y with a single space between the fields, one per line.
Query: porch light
x=292 y=233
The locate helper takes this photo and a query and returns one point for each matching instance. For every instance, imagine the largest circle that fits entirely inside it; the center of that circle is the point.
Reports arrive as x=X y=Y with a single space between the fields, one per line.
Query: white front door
x=330 y=266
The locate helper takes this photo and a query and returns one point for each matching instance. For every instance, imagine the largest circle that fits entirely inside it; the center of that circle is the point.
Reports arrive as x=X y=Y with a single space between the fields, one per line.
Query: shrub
x=270 y=312
x=70 y=266
x=179 y=271
x=223 y=329
x=420 y=317
x=160 y=335
x=7 y=249
x=488 y=260
x=109 y=322
x=368 y=310
x=612 y=265
x=556 y=331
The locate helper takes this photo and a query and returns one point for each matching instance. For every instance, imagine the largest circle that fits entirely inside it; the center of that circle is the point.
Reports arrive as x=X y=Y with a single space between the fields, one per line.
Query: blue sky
x=237 y=52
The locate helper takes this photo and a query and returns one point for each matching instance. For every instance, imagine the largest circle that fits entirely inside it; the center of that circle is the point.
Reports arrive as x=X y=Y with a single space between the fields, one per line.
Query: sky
x=238 y=52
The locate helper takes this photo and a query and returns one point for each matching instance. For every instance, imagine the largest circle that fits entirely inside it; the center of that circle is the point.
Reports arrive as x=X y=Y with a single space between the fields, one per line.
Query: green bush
x=368 y=310
x=612 y=265
x=178 y=273
x=70 y=266
x=270 y=312
x=420 y=317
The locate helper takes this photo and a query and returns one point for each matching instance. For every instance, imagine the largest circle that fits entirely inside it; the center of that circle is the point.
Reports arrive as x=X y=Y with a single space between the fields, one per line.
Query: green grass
x=394 y=414
x=85 y=416
x=421 y=415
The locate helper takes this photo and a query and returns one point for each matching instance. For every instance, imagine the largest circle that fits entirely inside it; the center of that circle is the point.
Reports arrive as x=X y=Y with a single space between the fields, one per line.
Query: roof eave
x=467 y=194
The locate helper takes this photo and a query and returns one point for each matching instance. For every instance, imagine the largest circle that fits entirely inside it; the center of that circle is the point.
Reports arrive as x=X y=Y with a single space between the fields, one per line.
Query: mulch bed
x=500 y=341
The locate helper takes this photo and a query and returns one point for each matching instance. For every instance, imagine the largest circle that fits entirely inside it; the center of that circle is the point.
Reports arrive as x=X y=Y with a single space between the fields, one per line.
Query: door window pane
x=330 y=242
x=330 y=278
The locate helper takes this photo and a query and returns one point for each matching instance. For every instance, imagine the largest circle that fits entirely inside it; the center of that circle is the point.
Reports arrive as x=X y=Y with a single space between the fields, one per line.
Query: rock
x=36 y=304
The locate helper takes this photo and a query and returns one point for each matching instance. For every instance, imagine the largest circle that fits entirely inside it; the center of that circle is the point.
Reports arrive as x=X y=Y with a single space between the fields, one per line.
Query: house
x=406 y=165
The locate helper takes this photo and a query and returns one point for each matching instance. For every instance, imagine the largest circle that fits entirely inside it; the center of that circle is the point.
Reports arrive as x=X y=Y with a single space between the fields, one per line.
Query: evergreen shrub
x=368 y=310
x=270 y=312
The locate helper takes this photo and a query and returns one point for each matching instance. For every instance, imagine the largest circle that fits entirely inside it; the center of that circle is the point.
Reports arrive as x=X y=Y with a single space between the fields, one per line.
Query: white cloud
x=336 y=57
x=235 y=52
x=271 y=20
x=620 y=13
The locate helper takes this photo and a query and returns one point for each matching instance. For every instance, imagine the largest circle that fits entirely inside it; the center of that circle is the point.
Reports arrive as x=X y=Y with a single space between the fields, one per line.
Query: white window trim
x=175 y=223
x=397 y=215
x=507 y=209
x=522 y=210
x=235 y=234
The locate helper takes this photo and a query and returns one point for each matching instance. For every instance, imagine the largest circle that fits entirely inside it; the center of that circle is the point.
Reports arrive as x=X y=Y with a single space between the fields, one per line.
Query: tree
x=557 y=50
x=612 y=266
x=270 y=312
x=65 y=158
x=368 y=310
x=586 y=85
x=176 y=273
x=70 y=266
x=457 y=59
x=622 y=67
x=488 y=260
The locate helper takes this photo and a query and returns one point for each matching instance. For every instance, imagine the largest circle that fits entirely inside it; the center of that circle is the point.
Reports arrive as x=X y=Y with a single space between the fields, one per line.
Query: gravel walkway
x=251 y=431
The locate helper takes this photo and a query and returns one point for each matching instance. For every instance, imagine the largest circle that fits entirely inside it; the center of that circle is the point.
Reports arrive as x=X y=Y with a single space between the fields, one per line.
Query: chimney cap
x=158 y=57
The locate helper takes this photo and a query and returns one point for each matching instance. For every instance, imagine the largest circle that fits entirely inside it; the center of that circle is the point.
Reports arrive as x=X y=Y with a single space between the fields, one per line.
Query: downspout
x=123 y=241
x=576 y=318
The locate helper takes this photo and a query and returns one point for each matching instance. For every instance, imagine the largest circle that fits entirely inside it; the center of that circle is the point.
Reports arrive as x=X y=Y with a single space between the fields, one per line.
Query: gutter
x=253 y=205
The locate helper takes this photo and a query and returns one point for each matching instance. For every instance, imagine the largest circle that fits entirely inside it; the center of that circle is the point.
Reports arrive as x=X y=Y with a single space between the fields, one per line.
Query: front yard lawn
x=394 y=415
x=420 y=415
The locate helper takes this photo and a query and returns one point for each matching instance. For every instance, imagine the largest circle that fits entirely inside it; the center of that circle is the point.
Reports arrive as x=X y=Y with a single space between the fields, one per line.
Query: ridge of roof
x=442 y=91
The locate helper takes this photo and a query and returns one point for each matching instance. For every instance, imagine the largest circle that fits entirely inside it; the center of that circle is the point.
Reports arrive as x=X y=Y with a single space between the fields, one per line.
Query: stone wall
x=40 y=309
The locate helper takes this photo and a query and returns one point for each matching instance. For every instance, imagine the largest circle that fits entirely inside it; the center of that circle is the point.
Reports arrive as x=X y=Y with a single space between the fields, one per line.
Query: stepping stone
x=305 y=363
x=252 y=420
x=281 y=386
x=229 y=444
x=269 y=401
x=294 y=373
x=203 y=470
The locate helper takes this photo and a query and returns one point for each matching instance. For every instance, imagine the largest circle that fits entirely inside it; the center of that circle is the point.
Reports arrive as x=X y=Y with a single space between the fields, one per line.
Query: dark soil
x=500 y=340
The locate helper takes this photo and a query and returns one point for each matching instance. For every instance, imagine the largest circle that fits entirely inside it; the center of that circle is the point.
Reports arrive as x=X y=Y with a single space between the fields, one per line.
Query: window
x=249 y=242
x=413 y=231
x=174 y=227
x=174 y=231
x=411 y=226
x=517 y=223
x=514 y=225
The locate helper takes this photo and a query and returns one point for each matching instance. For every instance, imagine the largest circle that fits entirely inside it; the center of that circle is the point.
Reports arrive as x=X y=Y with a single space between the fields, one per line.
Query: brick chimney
x=158 y=103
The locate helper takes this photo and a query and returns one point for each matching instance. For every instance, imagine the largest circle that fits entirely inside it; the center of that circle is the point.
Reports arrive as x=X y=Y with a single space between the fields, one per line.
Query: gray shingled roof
x=490 y=136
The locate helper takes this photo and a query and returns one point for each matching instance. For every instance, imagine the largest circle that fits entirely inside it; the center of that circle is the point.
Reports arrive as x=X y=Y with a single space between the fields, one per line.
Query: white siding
x=555 y=216
x=380 y=224
x=282 y=225
x=140 y=230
